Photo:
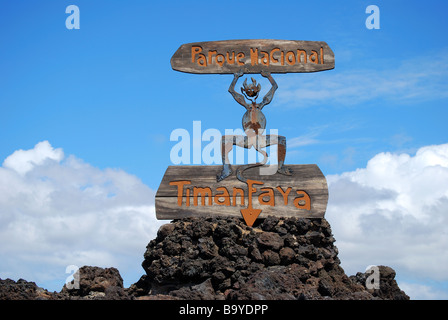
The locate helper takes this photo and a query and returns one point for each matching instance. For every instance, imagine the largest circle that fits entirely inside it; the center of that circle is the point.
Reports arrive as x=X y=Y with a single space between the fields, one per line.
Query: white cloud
x=22 y=161
x=303 y=140
x=394 y=212
x=423 y=292
x=57 y=211
x=415 y=79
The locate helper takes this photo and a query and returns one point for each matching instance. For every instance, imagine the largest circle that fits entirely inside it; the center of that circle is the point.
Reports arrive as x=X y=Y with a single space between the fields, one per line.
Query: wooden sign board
x=253 y=56
x=193 y=191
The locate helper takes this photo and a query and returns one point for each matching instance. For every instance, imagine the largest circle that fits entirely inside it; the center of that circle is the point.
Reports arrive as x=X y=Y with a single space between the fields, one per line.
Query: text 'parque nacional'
x=252 y=56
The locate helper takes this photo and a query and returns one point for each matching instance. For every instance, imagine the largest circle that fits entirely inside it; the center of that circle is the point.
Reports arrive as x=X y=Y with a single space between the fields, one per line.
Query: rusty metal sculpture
x=254 y=124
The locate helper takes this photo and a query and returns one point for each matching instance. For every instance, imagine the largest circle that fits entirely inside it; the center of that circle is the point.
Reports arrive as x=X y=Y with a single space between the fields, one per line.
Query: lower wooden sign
x=193 y=191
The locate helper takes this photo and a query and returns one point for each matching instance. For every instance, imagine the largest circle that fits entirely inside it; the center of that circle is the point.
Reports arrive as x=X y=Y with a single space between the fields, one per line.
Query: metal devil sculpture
x=254 y=124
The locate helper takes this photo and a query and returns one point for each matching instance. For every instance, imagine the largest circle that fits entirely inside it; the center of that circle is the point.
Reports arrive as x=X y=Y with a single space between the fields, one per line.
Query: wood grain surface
x=185 y=191
x=253 y=56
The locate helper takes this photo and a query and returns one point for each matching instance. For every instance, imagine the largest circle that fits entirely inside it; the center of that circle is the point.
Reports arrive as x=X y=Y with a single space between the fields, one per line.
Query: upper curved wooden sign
x=253 y=56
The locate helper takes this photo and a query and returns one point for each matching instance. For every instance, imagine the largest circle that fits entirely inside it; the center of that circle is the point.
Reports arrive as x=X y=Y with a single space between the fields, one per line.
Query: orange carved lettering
x=274 y=60
x=202 y=60
x=299 y=56
x=180 y=189
x=285 y=194
x=220 y=59
x=230 y=61
x=265 y=58
x=240 y=56
x=241 y=193
x=253 y=56
x=303 y=201
x=224 y=195
x=197 y=192
x=210 y=55
x=250 y=214
x=187 y=197
x=313 y=57
x=290 y=58
x=269 y=192
x=195 y=50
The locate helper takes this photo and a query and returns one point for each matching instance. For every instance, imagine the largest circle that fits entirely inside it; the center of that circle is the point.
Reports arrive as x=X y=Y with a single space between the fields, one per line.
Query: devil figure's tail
x=241 y=169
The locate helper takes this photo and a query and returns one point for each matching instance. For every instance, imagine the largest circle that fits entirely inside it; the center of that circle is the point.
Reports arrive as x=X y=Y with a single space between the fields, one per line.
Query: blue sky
x=106 y=97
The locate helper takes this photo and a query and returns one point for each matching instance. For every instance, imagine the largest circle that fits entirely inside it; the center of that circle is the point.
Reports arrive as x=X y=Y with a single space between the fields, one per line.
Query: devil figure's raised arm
x=268 y=97
x=238 y=97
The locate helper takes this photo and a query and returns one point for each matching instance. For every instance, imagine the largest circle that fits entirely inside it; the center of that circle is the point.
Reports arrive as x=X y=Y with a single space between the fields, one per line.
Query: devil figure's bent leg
x=281 y=152
x=227 y=143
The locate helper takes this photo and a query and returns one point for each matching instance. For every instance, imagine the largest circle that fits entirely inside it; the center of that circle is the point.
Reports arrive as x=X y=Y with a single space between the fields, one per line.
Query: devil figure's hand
x=238 y=74
x=265 y=74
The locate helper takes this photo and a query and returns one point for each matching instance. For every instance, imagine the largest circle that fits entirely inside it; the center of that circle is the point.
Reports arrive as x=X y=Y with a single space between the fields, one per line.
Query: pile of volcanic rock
x=276 y=259
x=95 y=283
x=223 y=258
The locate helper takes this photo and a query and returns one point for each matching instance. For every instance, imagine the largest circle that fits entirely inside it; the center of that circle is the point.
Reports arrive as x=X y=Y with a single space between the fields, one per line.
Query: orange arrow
x=250 y=214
